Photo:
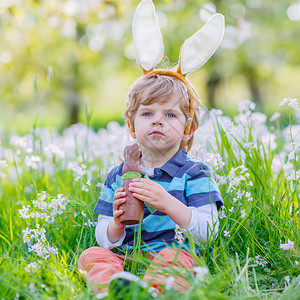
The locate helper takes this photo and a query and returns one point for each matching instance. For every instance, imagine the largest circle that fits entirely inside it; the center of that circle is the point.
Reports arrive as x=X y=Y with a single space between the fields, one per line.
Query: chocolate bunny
x=133 y=208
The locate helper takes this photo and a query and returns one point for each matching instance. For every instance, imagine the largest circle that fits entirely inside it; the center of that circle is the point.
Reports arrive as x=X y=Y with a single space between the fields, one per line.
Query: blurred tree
x=58 y=51
x=69 y=39
x=260 y=38
x=254 y=35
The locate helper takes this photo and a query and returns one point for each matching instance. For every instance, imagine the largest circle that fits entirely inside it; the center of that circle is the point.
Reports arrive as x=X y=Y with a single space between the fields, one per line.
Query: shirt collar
x=176 y=162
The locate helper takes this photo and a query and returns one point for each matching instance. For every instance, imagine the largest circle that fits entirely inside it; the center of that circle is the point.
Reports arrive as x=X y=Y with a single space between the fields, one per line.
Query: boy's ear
x=131 y=129
x=186 y=137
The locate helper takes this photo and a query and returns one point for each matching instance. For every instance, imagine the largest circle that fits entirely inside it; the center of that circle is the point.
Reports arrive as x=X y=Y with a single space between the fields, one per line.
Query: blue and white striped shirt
x=187 y=180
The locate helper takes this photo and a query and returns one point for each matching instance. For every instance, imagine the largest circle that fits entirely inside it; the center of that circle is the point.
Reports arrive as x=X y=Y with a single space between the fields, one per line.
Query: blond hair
x=149 y=88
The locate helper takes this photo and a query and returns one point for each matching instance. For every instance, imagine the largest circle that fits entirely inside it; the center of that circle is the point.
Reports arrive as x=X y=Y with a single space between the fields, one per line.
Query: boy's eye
x=147 y=114
x=170 y=115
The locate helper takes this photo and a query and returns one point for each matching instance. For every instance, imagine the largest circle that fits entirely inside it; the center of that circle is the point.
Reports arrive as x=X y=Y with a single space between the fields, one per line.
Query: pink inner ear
x=147 y=39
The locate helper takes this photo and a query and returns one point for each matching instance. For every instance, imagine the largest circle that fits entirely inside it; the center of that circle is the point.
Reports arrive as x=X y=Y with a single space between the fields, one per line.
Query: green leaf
x=131 y=174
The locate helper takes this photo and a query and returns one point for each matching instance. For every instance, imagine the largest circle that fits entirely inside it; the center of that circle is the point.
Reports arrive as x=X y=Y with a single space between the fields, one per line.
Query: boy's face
x=159 y=127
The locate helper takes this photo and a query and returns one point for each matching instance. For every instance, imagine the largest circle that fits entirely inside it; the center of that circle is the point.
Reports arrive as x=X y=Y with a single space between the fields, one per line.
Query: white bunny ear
x=147 y=39
x=196 y=50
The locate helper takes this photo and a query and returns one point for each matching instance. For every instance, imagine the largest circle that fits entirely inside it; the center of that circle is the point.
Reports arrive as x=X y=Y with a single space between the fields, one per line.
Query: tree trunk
x=254 y=89
x=212 y=85
x=72 y=95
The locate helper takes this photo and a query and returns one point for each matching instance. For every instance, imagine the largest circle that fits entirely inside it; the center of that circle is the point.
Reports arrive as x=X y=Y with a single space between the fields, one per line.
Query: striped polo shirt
x=187 y=180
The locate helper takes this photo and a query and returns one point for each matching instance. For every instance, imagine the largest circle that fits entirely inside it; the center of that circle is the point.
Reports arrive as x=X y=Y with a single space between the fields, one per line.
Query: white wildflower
x=178 y=234
x=84 y=188
x=259 y=261
x=32 y=267
x=23 y=212
x=222 y=214
x=42 y=196
x=52 y=150
x=248 y=145
x=226 y=123
x=44 y=210
x=246 y=105
x=237 y=176
x=31 y=287
x=277 y=164
x=90 y=223
x=28 y=189
x=32 y=162
x=291 y=102
x=287 y=279
x=294 y=176
x=292 y=155
x=220 y=179
x=169 y=281
x=296 y=262
x=52 y=250
x=243 y=213
x=274 y=117
x=78 y=171
x=289 y=245
x=200 y=272
x=214 y=161
x=240 y=194
x=226 y=233
x=3 y=164
x=84 y=214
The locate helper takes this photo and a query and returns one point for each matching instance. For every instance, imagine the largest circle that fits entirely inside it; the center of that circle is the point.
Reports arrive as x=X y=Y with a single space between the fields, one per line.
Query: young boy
x=180 y=189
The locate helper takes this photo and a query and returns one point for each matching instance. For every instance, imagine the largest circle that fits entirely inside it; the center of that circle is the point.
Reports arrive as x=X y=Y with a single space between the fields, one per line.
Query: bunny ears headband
x=195 y=51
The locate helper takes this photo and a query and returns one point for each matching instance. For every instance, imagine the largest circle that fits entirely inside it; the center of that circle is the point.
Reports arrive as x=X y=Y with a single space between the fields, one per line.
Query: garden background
x=65 y=68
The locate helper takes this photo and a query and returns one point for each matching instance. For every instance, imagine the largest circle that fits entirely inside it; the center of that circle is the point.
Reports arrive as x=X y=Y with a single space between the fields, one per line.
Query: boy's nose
x=157 y=122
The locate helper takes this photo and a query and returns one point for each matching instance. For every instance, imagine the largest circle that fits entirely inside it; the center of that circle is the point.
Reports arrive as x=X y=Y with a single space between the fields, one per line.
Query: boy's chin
x=162 y=148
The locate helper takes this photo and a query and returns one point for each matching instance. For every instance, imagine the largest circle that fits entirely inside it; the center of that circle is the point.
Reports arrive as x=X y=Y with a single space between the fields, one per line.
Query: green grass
x=265 y=216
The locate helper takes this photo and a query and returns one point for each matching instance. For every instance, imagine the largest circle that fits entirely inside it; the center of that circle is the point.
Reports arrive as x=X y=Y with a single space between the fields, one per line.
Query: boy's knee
x=168 y=252
x=182 y=257
x=91 y=255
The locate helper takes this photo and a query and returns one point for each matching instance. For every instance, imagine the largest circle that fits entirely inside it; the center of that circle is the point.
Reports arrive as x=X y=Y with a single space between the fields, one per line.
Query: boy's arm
x=107 y=234
x=114 y=232
x=101 y=233
x=177 y=211
x=204 y=222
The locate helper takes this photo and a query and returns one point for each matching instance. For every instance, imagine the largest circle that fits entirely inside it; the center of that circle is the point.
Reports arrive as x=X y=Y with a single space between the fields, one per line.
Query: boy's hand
x=152 y=193
x=115 y=228
x=119 y=198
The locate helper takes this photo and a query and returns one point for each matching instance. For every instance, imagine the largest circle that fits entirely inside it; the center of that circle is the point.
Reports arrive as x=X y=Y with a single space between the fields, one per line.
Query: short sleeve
x=201 y=188
x=113 y=181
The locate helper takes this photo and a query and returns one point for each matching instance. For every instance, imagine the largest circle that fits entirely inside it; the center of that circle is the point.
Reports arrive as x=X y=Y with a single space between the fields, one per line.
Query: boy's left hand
x=151 y=192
